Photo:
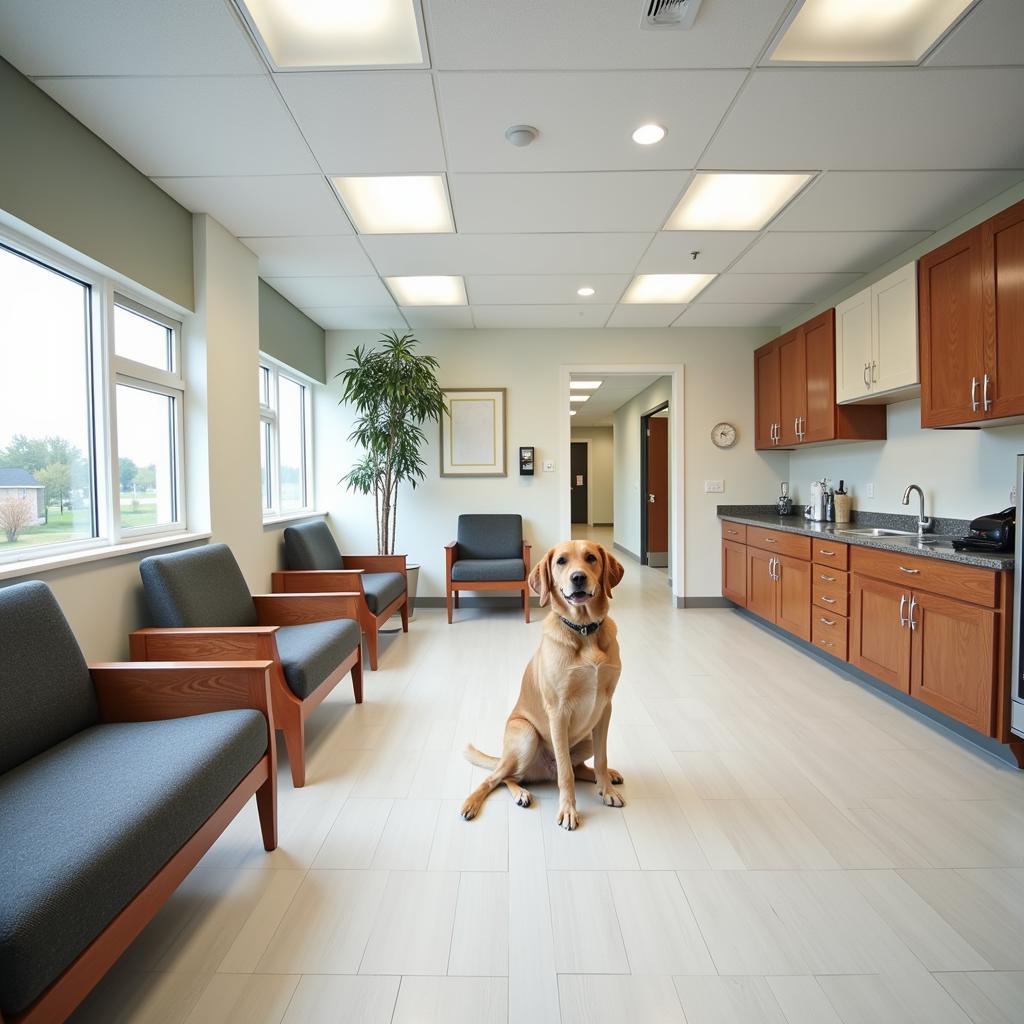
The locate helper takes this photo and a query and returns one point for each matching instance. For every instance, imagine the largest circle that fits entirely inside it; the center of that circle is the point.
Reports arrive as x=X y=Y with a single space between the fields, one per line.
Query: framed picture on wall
x=473 y=434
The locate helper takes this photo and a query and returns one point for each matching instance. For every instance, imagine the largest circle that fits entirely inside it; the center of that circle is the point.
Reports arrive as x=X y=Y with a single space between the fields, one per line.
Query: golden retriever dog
x=565 y=703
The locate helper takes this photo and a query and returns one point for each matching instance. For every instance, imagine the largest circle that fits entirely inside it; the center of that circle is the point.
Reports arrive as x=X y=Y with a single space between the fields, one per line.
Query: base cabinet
x=879 y=636
x=761 y=583
x=779 y=590
x=734 y=572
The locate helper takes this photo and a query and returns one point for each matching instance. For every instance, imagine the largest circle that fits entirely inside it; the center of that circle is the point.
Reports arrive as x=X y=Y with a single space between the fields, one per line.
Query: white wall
x=718 y=386
x=600 y=484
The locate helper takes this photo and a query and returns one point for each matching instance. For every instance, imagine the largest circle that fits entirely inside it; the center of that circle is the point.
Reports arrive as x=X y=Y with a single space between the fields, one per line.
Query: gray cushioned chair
x=114 y=781
x=201 y=607
x=490 y=554
x=316 y=565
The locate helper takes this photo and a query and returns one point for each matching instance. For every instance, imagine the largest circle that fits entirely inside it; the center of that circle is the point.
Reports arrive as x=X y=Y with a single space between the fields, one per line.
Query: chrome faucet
x=924 y=524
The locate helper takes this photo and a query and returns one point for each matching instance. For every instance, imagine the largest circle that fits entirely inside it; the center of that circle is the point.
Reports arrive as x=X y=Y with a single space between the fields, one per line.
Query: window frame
x=269 y=419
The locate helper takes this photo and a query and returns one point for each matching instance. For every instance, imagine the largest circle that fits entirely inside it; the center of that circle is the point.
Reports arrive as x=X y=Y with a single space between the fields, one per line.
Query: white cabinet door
x=853 y=348
x=894 y=331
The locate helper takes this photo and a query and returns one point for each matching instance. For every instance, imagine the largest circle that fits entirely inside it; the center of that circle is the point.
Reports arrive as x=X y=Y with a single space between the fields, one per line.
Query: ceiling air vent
x=669 y=14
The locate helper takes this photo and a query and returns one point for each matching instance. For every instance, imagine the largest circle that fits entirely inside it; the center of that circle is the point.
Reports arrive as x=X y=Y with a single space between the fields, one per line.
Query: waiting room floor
x=794 y=849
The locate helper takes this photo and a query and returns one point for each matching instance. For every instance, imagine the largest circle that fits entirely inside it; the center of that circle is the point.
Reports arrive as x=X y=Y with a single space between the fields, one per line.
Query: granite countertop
x=936 y=545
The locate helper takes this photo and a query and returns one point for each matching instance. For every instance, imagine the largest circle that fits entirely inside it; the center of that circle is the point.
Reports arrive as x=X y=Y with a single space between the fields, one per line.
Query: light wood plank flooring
x=794 y=850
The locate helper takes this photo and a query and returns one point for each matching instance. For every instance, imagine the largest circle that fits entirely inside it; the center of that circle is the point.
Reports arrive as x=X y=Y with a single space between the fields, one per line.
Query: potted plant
x=394 y=392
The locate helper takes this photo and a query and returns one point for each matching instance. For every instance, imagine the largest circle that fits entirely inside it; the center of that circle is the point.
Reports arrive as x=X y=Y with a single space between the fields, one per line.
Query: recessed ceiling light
x=572 y=412
x=585 y=292
x=579 y=398
x=400 y=204
x=427 y=291
x=585 y=385
x=337 y=33
x=648 y=134
x=866 y=31
x=733 y=202
x=666 y=287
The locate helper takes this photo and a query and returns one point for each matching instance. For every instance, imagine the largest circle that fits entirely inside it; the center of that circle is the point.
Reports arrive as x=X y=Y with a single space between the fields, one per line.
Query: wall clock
x=723 y=435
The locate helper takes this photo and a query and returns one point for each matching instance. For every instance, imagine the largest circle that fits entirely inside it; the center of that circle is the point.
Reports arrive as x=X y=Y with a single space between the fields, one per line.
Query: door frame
x=676 y=464
x=644 y=417
x=590 y=501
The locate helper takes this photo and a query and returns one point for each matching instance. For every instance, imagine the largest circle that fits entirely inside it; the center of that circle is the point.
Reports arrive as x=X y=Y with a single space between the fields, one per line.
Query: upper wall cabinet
x=795 y=392
x=876 y=341
x=971 y=317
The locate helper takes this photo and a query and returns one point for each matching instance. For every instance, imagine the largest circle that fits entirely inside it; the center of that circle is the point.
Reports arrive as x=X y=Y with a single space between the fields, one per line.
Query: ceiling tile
x=331 y=291
x=599 y=201
x=585 y=119
x=169 y=127
x=874 y=119
x=403 y=255
x=823 y=251
x=896 y=200
x=540 y=316
x=671 y=252
x=365 y=318
x=290 y=204
x=112 y=37
x=990 y=34
x=440 y=317
x=533 y=289
x=742 y=314
x=488 y=34
x=654 y=315
x=775 y=288
x=377 y=122
x=324 y=256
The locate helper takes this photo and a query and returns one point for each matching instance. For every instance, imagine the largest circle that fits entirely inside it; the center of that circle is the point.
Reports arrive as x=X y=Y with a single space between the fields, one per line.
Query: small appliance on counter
x=818 y=509
x=784 y=506
x=993 y=532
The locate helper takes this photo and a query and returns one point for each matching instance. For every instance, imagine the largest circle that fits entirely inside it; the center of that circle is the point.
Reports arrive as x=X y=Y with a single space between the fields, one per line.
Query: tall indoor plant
x=394 y=392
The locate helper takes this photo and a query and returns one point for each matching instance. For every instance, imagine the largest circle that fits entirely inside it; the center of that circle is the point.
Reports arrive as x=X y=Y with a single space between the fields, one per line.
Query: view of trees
x=15 y=514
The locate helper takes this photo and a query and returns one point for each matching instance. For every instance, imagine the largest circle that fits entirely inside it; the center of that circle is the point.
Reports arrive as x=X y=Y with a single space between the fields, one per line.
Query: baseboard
x=625 y=551
x=477 y=602
x=604 y=524
x=703 y=602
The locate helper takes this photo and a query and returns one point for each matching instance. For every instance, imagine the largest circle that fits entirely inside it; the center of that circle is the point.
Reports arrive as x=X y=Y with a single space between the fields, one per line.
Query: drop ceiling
x=615 y=391
x=182 y=91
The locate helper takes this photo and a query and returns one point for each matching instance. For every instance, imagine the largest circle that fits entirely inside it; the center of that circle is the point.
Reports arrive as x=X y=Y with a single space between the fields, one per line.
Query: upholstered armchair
x=316 y=565
x=201 y=609
x=489 y=554
x=115 y=780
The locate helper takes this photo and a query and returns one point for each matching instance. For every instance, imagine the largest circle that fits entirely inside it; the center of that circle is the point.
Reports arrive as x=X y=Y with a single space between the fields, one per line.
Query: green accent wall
x=288 y=334
x=63 y=180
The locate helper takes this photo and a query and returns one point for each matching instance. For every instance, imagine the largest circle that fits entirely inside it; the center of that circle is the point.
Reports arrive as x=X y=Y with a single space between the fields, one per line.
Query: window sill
x=291 y=517
x=30 y=567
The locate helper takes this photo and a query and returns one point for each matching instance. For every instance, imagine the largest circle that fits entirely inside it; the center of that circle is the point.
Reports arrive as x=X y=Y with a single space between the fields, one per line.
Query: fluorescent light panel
x=337 y=33
x=585 y=385
x=866 y=31
x=733 y=202
x=399 y=204
x=676 y=288
x=427 y=291
x=579 y=398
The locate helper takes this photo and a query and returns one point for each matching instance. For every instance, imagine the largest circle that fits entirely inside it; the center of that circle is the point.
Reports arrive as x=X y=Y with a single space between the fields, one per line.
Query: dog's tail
x=481 y=760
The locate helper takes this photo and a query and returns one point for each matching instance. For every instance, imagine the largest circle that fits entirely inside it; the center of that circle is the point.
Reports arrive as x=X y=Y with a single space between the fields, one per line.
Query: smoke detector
x=521 y=134
x=669 y=14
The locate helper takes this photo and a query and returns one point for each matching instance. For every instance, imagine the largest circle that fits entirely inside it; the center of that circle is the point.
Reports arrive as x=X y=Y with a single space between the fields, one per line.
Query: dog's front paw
x=610 y=797
x=568 y=817
x=615 y=776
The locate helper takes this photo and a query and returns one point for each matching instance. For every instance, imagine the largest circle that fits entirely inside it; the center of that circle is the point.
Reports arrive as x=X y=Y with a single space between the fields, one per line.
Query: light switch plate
x=871 y=490
x=714 y=486
x=549 y=465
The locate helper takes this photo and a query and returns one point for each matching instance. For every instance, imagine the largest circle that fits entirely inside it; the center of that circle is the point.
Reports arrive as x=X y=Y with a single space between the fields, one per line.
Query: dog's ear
x=540 y=579
x=612 y=572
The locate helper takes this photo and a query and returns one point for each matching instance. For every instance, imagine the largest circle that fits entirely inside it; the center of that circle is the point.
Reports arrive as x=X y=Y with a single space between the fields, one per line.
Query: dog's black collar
x=586 y=629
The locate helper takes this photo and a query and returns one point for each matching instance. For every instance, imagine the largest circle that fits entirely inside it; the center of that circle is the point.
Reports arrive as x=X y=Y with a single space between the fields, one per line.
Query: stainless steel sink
x=874 y=531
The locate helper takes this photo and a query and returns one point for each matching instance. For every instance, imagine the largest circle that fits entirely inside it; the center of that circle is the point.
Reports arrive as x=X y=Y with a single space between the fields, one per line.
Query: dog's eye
x=591 y=558
x=561 y=561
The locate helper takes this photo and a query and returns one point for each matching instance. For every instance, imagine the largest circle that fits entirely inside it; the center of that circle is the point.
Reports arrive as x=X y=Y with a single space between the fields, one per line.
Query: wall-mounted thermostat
x=526 y=460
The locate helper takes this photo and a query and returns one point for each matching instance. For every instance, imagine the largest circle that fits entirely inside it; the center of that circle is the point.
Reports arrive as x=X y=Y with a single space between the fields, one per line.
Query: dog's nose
x=578 y=579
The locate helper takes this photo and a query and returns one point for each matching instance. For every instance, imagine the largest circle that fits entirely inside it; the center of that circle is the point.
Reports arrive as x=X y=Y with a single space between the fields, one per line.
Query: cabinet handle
x=733 y=532
x=827 y=579
x=827 y=622
x=770 y=540
x=910 y=572
x=826 y=643
x=827 y=554
x=828 y=600
x=903 y=604
x=874 y=371
x=974 y=394
x=986 y=402
x=867 y=381
x=910 y=615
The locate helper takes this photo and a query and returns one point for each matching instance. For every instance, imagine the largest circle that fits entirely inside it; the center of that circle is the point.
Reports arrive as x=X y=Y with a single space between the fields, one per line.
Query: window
x=285 y=443
x=90 y=410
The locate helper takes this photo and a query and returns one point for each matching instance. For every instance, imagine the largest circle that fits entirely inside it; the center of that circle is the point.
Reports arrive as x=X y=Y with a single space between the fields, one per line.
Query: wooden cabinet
x=876 y=340
x=793 y=596
x=879 y=637
x=734 y=572
x=971 y=318
x=795 y=391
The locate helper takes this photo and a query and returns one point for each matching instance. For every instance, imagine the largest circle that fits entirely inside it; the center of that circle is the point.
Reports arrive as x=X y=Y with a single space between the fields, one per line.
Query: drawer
x=962 y=582
x=736 y=532
x=829 y=552
x=829 y=632
x=779 y=543
x=829 y=590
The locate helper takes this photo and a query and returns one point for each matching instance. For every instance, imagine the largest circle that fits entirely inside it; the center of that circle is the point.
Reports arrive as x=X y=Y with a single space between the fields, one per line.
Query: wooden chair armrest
x=450 y=551
x=317 y=581
x=152 y=691
x=297 y=609
x=453 y=544
x=376 y=563
x=212 y=643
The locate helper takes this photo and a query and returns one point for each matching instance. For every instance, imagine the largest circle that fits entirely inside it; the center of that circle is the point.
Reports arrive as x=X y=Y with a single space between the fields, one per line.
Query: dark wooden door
x=951 y=323
x=734 y=572
x=879 y=631
x=1003 y=240
x=766 y=395
x=820 y=374
x=793 y=607
x=657 y=488
x=761 y=592
x=792 y=387
x=953 y=659
x=580 y=484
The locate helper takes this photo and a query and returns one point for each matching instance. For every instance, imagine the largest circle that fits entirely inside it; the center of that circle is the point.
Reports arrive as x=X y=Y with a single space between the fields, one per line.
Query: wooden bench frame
x=452 y=587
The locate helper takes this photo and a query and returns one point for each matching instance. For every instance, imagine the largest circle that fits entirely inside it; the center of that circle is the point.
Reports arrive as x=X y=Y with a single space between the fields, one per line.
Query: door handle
x=796 y=426
x=903 y=604
x=826 y=622
x=827 y=554
x=867 y=380
x=828 y=600
x=732 y=532
x=974 y=394
x=874 y=371
x=986 y=402
x=826 y=643
x=827 y=579
x=910 y=615
x=650 y=501
x=910 y=572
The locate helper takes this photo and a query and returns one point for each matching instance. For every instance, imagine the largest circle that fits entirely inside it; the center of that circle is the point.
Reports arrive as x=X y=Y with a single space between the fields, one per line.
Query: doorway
x=579 y=458
x=654 y=487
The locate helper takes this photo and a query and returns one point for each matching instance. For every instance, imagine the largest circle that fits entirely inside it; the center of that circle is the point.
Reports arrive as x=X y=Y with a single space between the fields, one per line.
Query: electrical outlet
x=871 y=490
x=714 y=486
x=549 y=465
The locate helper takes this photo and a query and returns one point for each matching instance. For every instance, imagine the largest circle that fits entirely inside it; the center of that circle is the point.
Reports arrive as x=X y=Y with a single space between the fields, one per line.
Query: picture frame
x=474 y=433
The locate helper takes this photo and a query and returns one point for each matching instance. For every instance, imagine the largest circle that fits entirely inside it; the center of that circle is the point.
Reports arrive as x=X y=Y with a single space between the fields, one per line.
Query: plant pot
x=412 y=582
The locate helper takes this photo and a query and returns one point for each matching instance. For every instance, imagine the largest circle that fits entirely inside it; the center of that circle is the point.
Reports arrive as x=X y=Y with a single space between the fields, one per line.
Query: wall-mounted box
x=526 y=453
